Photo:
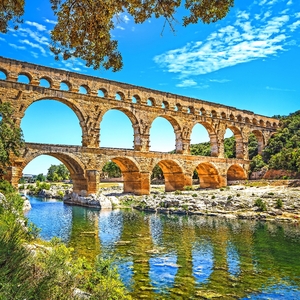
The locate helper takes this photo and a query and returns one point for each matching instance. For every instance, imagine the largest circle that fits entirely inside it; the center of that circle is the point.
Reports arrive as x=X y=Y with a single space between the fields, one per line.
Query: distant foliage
x=283 y=149
x=58 y=173
x=112 y=170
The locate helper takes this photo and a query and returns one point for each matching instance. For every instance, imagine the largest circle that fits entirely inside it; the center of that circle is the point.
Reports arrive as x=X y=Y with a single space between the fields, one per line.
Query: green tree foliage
x=112 y=170
x=84 y=27
x=11 y=136
x=58 y=173
x=283 y=149
x=41 y=177
x=157 y=173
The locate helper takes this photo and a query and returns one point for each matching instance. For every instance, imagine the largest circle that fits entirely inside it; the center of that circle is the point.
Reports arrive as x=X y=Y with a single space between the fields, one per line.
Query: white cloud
x=248 y=38
x=295 y=25
x=50 y=21
x=38 y=26
x=17 y=47
x=279 y=89
x=219 y=80
x=187 y=83
x=34 y=35
x=126 y=19
x=2 y=39
x=290 y=2
x=34 y=54
x=120 y=27
x=34 y=46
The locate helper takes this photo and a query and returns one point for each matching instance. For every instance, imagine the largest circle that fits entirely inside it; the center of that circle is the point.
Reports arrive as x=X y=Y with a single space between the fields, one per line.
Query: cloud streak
x=254 y=35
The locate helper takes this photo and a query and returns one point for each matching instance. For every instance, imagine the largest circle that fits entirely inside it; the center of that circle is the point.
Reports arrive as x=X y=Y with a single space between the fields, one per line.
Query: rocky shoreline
x=274 y=201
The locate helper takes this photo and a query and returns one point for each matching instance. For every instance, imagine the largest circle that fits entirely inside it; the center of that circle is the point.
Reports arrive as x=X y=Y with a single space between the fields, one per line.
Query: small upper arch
x=151 y=101
x=247 y=120
x=268 y=124
x=46 y=82
x=191 y=109
x=65 y=85
x=231 y=117
x=254 y=121
x=24 y=77
x=3 y=74
x=239 y=118
x=214 y=114
x=84 y=89
x=120 y=96
x=165 y=105
x=102 y=92
x=261 y=123
x=136 y=99
x=202 y=112
x=223 y=115
x=178 y=107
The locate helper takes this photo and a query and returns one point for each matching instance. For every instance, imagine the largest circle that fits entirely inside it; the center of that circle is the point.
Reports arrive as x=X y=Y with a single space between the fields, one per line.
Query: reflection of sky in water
x=110 y=227
x=155 y=229
x=125 y=269
x=281 y=292
x=52 y=216
x=233 y=260
x=202 y=261
x=162 y=271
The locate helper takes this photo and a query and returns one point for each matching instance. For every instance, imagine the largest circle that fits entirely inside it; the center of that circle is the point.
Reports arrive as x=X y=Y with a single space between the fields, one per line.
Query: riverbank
x=273 y=201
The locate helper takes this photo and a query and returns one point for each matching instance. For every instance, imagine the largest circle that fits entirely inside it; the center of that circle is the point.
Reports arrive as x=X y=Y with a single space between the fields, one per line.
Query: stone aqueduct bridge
x=142 y=106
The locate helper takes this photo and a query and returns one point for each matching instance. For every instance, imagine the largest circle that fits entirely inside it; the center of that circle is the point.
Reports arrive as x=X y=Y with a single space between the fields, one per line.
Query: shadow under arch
x=236 y=172
x=209 y=176
x=75 y=167
x=82 y=117
x=173 y=174
x=214 y=149
x=176 y=127
x=133 y=179
x=239 y=149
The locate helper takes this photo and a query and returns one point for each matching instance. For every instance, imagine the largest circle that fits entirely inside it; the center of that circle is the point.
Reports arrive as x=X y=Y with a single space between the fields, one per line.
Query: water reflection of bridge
x=203 y=256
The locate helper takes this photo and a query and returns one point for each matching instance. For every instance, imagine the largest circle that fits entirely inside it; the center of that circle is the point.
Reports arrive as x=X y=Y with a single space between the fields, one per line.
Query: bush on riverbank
x=32 y=269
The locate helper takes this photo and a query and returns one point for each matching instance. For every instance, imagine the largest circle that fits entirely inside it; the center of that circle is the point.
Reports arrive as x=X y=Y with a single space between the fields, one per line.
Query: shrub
x=177 y=192
x=271 y=194
x=194 y=195
x=213 y=197
x=260 y=204
x=279 y=203
x=229 y=197
x=238 y=195
x=188 y=188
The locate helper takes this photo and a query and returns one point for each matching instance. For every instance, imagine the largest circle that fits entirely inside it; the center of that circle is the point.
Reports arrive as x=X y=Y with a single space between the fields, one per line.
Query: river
x=181 y=257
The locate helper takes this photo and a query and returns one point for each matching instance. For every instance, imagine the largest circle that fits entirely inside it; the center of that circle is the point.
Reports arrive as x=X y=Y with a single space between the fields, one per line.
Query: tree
x=41 y=177
x=84 y=27
x=11 y=137
x=112 y=170
x=58 y=173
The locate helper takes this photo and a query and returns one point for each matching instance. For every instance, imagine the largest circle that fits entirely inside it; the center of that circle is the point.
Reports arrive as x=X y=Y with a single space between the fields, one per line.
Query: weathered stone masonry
x=142 y=106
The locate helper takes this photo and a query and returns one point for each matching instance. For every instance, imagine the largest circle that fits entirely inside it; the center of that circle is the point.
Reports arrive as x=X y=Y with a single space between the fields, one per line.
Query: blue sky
x=249 y=60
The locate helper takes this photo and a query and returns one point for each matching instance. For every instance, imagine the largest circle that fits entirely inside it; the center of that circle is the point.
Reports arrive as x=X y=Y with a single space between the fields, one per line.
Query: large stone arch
x=209 y=175
x=214 y=149
x=134 y=122
x=239 y=148
x=72 y=163
x=176 y=127
x=173 y=174
x=79 y=112
x=236 y=172
x=134 y=181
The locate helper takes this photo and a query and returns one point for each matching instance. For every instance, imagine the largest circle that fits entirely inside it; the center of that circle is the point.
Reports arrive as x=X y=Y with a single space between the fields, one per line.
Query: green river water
x=181 y=257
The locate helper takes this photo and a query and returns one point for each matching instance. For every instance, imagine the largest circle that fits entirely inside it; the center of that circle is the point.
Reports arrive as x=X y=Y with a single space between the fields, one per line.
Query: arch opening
x=119 y=96
x=200 y=141
x=57 y=167
x=51 y=122
x=83 y=89
x=236 y=172
x=173 y=175
x=65 y=86
x=151 y=102
x=165 y=105
x=102 y=93
x=44 y=82
x=208 y=176
x=255 y=143
x=3 y=75
x=133 y=179
x=162 y=134
x=116 y=129
x=24 y=78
